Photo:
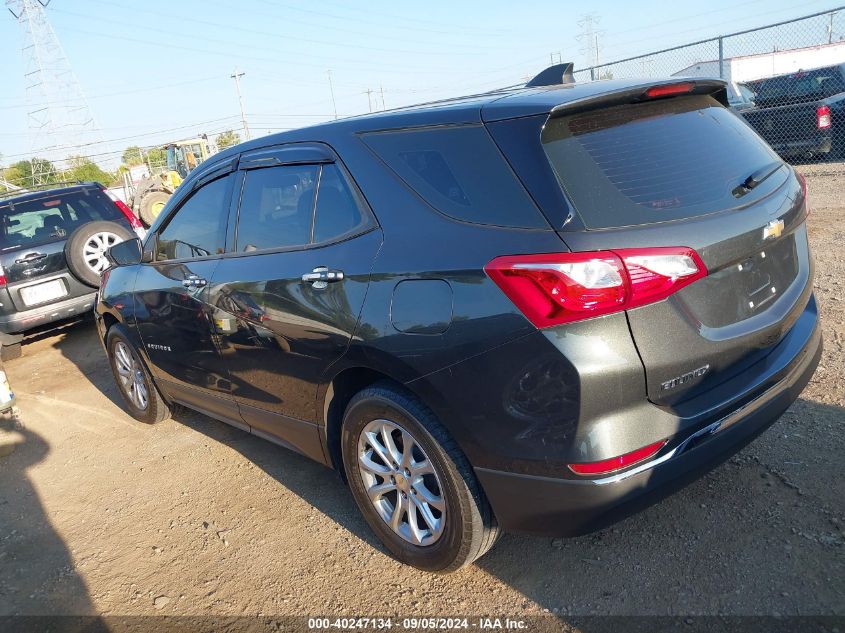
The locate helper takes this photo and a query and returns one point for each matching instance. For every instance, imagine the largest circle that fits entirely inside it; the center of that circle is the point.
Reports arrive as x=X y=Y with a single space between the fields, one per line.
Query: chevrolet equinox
x=533 y=310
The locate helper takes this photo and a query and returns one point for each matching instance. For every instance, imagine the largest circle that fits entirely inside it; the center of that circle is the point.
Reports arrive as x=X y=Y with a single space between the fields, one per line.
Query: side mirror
x=126 y=253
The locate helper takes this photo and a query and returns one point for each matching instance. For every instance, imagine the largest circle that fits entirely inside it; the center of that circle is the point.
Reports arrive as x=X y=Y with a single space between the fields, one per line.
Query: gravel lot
x=99 y=514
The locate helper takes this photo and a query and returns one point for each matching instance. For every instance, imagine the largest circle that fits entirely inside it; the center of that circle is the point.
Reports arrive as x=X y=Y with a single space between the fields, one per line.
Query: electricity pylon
x=58 y=116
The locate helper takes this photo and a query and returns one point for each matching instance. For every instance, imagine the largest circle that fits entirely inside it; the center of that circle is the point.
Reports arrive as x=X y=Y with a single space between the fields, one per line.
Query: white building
x=751 y=67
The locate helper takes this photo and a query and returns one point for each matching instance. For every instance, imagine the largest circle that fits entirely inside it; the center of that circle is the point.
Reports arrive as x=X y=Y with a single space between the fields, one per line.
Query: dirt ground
x=99 y=514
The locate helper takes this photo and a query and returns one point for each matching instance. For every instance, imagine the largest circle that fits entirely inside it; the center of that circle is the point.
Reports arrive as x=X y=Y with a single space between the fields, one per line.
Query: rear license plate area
x=42 y=293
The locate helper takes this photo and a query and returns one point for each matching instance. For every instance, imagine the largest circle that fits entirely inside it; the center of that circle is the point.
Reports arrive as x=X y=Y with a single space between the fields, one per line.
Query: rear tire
x=446 y=492
x=86 y=246
x=151 y=205
x=136 y=386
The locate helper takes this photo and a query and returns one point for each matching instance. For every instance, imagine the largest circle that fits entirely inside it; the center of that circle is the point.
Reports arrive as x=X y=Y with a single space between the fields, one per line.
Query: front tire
x=136 y=386
x=151 y=205
x=412 y=483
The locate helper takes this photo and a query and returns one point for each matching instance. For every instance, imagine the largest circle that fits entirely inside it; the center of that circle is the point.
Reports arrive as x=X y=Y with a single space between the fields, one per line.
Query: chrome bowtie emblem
x=773 y=229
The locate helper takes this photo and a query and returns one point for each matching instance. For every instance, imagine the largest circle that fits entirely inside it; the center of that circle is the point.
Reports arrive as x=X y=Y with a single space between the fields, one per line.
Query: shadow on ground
x=37 y=573
x=748 y=538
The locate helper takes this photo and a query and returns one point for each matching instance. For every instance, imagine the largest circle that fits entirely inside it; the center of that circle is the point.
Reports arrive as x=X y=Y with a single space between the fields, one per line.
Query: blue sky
x=155 y=71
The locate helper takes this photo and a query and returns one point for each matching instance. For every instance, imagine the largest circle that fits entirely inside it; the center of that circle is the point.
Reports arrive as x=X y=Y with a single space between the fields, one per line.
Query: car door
x=174 y=318
x=288 y=295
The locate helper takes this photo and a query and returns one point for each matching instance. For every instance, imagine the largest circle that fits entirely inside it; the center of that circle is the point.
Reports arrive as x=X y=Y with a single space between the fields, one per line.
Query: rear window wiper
x=756 y=178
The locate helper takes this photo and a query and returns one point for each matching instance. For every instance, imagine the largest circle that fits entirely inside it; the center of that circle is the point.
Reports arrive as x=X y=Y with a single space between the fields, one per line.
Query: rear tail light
x=3 y=281
x=125 y=210
x=803 y=182
x=564 y=287
x=613 y=464
x=823 y=117
x=669 y=90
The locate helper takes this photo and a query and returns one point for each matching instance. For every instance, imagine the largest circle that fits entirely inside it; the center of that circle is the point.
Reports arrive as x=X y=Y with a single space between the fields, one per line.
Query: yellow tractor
x=154 y=190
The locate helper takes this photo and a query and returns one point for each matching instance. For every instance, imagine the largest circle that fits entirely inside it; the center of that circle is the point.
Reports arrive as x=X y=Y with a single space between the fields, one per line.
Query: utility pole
x=381 y=90
x=331 y=89
x=369 y=100
x=830 y=27
x=237 y=77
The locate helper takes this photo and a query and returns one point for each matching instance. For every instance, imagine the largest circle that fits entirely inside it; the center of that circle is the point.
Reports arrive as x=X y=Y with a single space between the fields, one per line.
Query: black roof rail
x=553 y=76
x=45 y=187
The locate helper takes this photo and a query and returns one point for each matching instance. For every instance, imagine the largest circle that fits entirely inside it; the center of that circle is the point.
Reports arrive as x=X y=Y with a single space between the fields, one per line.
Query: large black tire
x=85 y=249
x=469 y=526
x=151 y=204
x=149 y=409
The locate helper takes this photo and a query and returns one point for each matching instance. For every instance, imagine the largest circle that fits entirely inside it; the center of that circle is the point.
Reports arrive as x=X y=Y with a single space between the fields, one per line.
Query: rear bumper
x=569 y=507
x=41 y=315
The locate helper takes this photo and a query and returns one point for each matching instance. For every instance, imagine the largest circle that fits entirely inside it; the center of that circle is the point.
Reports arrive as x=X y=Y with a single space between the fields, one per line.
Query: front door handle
x=321 y=277
x=193 y=281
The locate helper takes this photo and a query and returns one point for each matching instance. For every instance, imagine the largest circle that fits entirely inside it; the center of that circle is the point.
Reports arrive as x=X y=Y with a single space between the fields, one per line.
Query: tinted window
x=802 y=86
x=199 y=227
x=654 y=162
x=460 y=172
x=277 y=207
x=337 y=211
x=53 y=217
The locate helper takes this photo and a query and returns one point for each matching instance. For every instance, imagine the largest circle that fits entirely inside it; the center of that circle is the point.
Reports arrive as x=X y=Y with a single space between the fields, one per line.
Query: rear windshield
x=800 y=87
x=655 y=162
x=52 y=217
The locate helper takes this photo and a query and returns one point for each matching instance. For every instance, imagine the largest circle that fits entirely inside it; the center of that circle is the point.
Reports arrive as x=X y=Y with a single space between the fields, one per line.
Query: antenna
x=58 y=116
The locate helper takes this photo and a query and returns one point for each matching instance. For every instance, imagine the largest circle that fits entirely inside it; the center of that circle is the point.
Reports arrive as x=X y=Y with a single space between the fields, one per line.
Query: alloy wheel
x=131 y=375
x=401 y=482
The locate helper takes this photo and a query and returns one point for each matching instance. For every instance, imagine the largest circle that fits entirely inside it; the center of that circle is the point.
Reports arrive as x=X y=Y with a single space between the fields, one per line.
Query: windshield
x=655 y=162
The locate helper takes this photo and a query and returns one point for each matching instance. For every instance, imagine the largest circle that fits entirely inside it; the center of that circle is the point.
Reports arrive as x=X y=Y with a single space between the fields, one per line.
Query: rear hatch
x=33 y=233
x=684 y=171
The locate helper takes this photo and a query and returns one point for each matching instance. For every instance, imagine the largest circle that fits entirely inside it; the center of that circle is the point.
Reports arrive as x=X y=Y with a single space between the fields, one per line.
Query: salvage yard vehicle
x=153 y=191
x=802 y=113
x=533 y=310
x=52 y=251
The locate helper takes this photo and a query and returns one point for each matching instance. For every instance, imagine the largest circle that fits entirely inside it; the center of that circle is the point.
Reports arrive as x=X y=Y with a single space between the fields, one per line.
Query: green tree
x=227 y=139
x=21 y=172
x=134 y=155
x=84 y=169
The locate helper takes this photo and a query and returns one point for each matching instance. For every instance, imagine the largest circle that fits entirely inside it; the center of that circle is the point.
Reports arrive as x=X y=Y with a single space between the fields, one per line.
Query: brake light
x=823 y=117
x=551 y=289
x=3 y=281
x=669 y=90
x=613 y=464
x=803 y=183
x=125 y=210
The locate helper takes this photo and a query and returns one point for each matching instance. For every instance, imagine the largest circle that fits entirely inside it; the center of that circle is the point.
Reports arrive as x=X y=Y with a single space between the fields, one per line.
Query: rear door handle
x=193 y=281
x=321 y=277
x=32 y=257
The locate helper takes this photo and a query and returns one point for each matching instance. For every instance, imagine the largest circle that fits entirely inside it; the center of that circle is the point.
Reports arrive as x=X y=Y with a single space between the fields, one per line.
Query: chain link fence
x=784 y=79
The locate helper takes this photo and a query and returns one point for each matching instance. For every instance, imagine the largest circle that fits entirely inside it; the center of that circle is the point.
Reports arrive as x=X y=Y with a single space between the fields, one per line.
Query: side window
x=337 y=211
x=460 y=172
x=198 y=228
x=277 y=207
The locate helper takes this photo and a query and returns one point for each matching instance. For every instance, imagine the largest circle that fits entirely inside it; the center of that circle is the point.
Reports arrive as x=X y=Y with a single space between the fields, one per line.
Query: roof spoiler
x=553 y=76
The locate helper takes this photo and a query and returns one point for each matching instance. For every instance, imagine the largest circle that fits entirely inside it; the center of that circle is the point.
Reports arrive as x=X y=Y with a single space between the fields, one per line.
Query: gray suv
x=52 y=246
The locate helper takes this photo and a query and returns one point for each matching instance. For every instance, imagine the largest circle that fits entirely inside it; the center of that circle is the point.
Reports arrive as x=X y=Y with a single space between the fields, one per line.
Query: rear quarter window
x=655 y=162
x=459 y=171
